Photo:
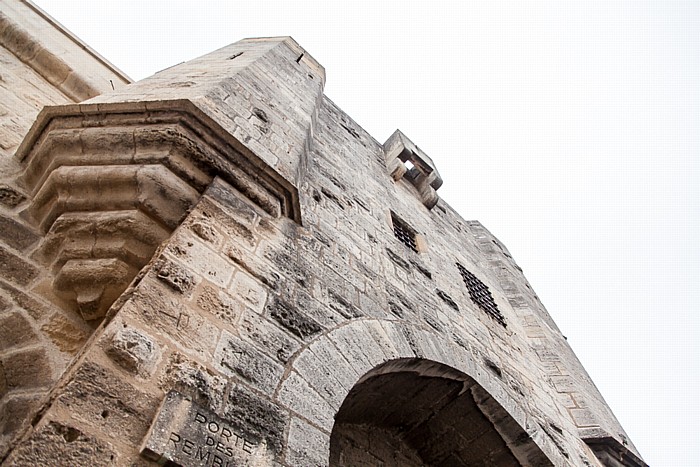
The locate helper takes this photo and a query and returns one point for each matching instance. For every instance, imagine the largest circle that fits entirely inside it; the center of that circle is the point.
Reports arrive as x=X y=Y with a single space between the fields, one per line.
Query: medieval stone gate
x=217 y=266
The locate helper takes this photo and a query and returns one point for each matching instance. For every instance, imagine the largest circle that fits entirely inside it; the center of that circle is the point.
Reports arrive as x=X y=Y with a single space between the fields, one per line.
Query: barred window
x=404 y=233
x=480 y=295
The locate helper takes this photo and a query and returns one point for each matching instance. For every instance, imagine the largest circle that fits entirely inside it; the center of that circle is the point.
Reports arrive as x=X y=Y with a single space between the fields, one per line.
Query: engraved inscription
x=189 y=435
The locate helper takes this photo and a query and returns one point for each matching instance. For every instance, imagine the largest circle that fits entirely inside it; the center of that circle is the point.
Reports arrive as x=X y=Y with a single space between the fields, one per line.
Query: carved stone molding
x=109 y=182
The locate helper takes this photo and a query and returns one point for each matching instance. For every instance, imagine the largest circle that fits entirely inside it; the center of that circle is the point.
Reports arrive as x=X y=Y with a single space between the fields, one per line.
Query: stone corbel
x=404 y=160
x=109 y=182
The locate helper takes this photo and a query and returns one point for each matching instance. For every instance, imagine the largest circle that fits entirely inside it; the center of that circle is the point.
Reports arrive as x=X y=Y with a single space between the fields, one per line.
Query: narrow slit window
x=404 y=233
x=481 y=295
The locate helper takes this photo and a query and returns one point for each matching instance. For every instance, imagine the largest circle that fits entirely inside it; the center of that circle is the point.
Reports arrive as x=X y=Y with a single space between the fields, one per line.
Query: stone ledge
x=609 y=449
x=201 y=141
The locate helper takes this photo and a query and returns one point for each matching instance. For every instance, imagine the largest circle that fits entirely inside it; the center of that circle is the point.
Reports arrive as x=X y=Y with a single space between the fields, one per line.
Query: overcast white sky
x=571 y=130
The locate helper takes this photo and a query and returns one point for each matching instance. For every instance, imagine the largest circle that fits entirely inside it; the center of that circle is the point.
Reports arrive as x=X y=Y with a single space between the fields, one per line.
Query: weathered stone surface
x=235 y=357
x=13 y=411
x=15 y=234
x=3 y=381
x=10 y=197
x=308 y=446
x=249 y=289
x=188 y=434
x=133 y=350
x=63 y=445
x=36 y=309
x=106 y=404
x=15 y=268
x=267 y=336
x=194 y=381
x=191 y=331
x=5 y=304
x=293 y=319
x=177 y=277
x=297 y=395
x=15 y=330
x=200 y=259
x=258 y=417
x=28 y=368
x=219 y=304
x=66 y=334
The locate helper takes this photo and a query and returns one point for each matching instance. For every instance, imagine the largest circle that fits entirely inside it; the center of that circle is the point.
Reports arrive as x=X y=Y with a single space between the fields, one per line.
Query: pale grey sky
x=571 y=130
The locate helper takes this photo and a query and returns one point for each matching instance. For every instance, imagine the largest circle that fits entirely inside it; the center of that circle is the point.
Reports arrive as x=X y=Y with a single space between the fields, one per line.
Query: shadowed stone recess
x=413 y=417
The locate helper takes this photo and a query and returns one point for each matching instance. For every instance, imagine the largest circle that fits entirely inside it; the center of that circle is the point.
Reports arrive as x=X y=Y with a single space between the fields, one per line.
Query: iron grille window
x=481 y=295
x=404 y=233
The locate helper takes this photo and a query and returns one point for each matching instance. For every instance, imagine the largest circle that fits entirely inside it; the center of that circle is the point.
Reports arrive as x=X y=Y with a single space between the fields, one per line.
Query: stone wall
x=249 y=278
x=40 y=64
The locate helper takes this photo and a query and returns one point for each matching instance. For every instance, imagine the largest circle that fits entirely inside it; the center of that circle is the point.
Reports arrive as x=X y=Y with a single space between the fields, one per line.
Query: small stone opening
x=481 y=295
x=404 y=233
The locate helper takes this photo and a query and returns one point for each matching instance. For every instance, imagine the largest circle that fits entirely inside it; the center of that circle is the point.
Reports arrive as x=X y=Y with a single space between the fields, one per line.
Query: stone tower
x=216 y=266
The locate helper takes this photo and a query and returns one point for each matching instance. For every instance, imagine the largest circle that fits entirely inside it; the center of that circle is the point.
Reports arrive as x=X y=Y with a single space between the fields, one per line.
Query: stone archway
x=418 y=412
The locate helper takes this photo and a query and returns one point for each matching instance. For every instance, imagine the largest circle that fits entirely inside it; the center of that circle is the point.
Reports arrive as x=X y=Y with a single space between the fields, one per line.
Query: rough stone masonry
x=217 y=266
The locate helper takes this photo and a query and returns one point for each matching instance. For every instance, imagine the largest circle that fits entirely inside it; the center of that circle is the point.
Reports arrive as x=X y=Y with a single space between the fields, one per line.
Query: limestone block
x=27 y=368
x=321 y=376
x=16 y=234
x=235 y=357
x=250 y=290
x=35 y=308
x=237 y=229
x=3 y=381
x=293 y=319
x=63 y=445
x=13 y=412
x=233 y=202
x=308 y=446
x=194 y=381
x=66 y=334
x=325 y=351
x=172 y=322
x=133 y=350
x=174 y=275
x=99 y=399
x=200 y=259
x=258 y=416
x=219 y=304
x=16 y=330
x=296 y=394
x=267 y=336
x=186 y=433
x=93 y=283
x=10 y=197
x=355 y=342
x=15 y=268
x=422 y=174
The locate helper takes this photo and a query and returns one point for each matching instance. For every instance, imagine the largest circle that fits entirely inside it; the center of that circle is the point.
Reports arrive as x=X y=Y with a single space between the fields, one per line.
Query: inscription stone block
x=187 y=434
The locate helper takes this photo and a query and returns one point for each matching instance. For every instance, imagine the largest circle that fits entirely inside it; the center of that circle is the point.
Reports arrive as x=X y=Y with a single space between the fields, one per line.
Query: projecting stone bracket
x=404 y=160
x=109 y=182
x=609 y=450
